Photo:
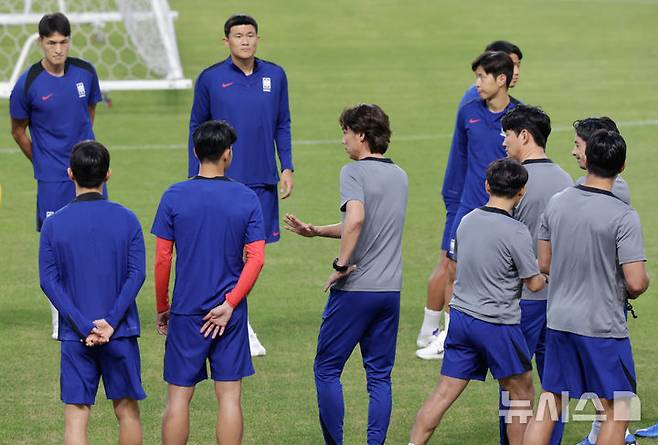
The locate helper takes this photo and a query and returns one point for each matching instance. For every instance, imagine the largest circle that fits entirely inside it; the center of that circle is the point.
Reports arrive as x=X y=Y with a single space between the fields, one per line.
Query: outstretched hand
x=216 y=320
x=296 y=225
x=335 y=276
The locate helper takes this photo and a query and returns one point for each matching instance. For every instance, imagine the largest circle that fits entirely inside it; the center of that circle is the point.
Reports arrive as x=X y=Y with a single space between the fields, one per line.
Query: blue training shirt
x=92 y=264
x=210 y=221
x=476 y=142
x=257 y=107
x=58 y=111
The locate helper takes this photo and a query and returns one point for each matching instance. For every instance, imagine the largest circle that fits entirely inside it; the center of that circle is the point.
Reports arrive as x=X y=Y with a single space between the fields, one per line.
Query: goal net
x=132 y=43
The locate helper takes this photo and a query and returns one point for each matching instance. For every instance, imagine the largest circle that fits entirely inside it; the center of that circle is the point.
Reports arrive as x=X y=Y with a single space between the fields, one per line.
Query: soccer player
x=584 y=129
x=250 y=94
x=364 y=302
x=527 y=130
x=477 y=141
x=588 y=351
x=91 y=267
x=56 y=98
x=211 y=220
x=436 y=286
x=495 y=257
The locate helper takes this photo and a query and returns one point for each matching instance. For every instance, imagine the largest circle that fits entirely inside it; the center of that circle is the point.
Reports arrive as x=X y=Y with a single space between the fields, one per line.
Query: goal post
x=131 y=43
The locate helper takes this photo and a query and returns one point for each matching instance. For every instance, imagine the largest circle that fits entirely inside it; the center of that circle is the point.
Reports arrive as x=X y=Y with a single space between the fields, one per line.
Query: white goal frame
x=164 y=19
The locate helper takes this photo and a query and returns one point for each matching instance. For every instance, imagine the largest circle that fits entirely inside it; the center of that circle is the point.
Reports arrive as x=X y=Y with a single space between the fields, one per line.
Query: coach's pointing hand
x=216 y=320
x=298 y=226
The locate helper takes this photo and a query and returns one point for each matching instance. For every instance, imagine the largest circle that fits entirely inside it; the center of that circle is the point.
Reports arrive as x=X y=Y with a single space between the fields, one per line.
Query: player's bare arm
x=544 y=255
x=19 y=133
x=296 y=225
x=637 y=280
x=355 y=214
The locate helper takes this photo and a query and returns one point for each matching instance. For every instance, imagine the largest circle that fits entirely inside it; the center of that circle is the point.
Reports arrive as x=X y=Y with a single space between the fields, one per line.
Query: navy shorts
x=52 y=196
x=447 y=231
x=269 y=203
x=474 y=346
x=580 y=364
x=186 y=350
x=82 y=367
x=461 y=212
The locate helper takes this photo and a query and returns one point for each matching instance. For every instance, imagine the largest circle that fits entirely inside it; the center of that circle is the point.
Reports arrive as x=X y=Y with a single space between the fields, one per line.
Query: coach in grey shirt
x=584 y=129
x=364 y=304
x=591 y=242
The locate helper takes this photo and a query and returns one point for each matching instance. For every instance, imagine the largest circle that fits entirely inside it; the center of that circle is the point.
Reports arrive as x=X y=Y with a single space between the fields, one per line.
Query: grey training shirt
x=382 y=188
x=494 y=253
x=545 y=178
x=619 y=188
x=592 y=233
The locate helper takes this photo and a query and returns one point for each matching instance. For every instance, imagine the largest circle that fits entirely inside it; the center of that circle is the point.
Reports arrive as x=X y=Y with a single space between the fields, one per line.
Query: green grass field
x=413 y=58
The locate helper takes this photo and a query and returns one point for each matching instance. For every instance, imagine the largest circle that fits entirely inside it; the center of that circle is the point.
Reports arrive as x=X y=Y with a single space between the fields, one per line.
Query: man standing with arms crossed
x=56 y=98
x=250 y=94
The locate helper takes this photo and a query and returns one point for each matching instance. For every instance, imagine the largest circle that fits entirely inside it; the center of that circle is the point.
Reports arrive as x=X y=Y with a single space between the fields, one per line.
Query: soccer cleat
x=585 y=441
x=651 y=431
x=255 y=347
x=630 y=439
x=433 y=351
x=424 y=341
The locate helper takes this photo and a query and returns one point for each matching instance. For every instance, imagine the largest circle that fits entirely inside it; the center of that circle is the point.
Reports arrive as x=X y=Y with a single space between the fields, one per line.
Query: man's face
x=488 y=85
x=578 y=152
x=242 y=41
x=55 y=48
x=513 y=145
x=353 y=143
x=517 y=69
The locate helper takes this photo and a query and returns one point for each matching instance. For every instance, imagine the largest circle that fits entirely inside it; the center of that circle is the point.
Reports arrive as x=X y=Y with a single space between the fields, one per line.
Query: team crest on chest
x=81 y=89
x=267 y=84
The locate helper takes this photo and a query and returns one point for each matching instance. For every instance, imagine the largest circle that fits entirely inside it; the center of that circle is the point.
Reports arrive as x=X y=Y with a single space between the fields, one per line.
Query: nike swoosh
x=45 y=98
x=275 y=233
x=473 y=121
x=226 y=85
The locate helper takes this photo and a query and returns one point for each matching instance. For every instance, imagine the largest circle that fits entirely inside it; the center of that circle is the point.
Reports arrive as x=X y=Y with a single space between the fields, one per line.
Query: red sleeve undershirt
x=255 y=257
x=163 y=253
x=255 y=253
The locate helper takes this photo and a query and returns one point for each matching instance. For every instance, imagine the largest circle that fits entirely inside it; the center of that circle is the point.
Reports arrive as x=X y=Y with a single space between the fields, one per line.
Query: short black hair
x=606 y=153
x=506 y=47
x=52 y=23
x=370 y=120
x=506 y=177
x=586 y=127
x=532 y=119
x=495 y=63
x=89 y=162
x=212 y=139
x=237 y=20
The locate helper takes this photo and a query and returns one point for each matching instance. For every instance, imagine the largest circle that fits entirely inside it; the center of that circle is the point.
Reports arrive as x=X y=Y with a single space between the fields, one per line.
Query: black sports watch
x=337 y=267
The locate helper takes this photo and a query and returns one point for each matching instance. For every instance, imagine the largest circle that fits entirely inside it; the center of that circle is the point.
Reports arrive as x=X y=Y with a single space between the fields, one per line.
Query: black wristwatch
x=337 y=267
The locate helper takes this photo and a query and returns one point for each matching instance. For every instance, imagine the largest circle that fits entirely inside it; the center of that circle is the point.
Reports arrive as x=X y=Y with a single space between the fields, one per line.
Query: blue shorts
x=533 y=324
x=52 y=196
x=474 y=346
x=447 y=230
x=580 y=364
x=117 y=362
x=269 y=203
x=461 y=212
x=186 y=350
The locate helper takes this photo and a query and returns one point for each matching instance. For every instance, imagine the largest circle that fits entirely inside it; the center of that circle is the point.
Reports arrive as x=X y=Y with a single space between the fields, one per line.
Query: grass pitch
x=581 y=58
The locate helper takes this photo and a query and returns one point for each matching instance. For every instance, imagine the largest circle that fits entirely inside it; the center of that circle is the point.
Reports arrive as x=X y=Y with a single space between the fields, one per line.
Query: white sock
x=627 y=432
x=430 y=322
x=54 y=318
x=594 y=433
x=446 y=320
